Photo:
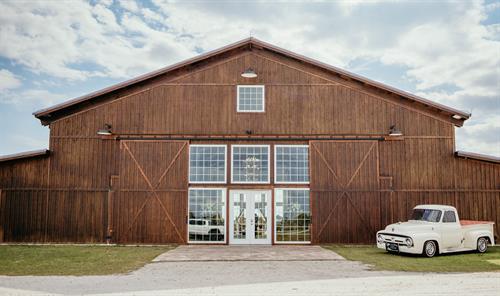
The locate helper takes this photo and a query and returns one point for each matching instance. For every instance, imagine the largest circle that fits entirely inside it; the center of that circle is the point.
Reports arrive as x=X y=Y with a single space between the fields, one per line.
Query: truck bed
x=473 y=222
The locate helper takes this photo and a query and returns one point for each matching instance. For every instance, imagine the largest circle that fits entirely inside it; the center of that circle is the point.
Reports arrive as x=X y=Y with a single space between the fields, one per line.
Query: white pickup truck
x=436 y=229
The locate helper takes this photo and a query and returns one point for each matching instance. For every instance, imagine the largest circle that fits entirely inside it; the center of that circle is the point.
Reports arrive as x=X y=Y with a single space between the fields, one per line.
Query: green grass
x=382 y=260
x=74 y=260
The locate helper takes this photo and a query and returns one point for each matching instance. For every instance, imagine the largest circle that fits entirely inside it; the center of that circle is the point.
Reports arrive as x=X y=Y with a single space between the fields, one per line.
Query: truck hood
x=410 y=227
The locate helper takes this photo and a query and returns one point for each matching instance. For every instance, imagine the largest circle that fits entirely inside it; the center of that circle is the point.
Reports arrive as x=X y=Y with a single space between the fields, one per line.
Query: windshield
x=426 y=215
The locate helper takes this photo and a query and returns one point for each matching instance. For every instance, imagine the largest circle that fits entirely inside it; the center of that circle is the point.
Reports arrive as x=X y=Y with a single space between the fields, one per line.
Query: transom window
x=207 y=164
x=291 y=163
x=207 y=212
x=250 y=164
x=250 y=98
x=292 y=216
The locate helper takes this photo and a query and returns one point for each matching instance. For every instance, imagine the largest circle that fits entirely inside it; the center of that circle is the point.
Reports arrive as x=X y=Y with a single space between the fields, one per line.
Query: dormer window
x=250 y=98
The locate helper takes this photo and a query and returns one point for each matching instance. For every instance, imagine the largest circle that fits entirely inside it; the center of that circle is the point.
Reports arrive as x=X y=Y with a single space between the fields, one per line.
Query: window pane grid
x=207 y=164
x=206 y=215
x=250 y=98
x=250 y=164
x=292 y=164
x=292 y=215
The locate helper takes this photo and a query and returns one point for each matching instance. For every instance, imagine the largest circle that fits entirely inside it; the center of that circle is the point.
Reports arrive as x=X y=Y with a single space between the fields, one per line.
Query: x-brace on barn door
x=344 y=186
x=151 y=204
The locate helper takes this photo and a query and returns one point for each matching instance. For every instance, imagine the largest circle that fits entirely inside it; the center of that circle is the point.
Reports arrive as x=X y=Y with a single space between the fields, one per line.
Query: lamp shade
x=249 y=73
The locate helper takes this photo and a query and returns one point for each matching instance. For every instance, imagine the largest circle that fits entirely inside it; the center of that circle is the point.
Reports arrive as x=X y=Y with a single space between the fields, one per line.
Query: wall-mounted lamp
x=106 y=131
x=394 y=131
x=249 y=73
x=457 y=117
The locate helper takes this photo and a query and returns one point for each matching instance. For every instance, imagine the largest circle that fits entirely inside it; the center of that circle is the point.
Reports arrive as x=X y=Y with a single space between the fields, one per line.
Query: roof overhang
x=27 y=154
x=455 y=116
x=477 y=156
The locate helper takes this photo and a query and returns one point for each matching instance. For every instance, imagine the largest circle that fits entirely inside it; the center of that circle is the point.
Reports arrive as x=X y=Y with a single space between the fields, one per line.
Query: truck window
x=449 y=217
x=426 y=215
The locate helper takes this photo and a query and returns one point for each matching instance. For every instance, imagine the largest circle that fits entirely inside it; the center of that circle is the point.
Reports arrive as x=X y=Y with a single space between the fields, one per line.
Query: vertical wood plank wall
x=68 y=196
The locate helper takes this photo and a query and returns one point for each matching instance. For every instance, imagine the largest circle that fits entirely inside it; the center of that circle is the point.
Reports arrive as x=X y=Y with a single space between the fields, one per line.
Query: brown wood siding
x=344 y=191
x=151 y=203
x=90 y=186
x=297 y=102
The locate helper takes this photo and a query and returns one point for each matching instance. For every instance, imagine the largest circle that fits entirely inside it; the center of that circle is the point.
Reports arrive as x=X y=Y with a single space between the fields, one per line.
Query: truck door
x=451 y=231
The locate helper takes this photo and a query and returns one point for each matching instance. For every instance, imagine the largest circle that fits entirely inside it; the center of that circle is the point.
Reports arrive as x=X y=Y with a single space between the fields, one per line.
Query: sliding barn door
x=151 y=200
x=344 y=188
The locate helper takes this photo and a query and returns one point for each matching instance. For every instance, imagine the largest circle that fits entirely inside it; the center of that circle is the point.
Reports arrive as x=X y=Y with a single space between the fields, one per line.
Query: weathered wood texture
x=91 y=185
x=150 y=205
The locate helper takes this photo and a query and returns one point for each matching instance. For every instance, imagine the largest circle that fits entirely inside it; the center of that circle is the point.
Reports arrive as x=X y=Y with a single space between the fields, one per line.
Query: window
x=250 y=98
x=449 y=217
x=292 y=216
x=250 y=164
x=207 y=164
x=426 y=215
x=291 y=164
x=207 y=212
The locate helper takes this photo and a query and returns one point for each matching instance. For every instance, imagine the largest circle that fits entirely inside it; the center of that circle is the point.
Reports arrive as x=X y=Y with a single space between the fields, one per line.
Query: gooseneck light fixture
x=249 y=73
x=106 y=131
x=394 y=131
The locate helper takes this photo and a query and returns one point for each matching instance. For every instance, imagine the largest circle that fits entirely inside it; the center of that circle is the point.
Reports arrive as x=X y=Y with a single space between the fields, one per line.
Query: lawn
x=458 y=262
x=75 y=260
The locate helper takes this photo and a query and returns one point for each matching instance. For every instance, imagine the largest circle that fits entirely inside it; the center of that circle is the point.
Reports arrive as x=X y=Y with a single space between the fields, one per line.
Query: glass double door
x=250 y=217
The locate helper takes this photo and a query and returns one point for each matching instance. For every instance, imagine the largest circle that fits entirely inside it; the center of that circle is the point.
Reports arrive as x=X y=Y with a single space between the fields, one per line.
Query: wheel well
x=431 y=240
x=486 y=237
x=214 y=230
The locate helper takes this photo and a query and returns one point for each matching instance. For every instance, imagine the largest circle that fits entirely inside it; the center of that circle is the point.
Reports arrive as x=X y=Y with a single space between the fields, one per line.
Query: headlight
x=409 y=242
x=380 y=239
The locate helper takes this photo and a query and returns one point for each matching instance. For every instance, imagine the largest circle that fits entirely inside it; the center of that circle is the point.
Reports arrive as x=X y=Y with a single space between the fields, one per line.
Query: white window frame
x=276 y=167
x=224 y=212
x=263 y=98
x=207 y=182
x=274 y=217
x=268 y=181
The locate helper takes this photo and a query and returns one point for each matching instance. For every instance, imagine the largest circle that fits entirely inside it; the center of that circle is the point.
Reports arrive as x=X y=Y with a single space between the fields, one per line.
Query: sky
x=52 y=51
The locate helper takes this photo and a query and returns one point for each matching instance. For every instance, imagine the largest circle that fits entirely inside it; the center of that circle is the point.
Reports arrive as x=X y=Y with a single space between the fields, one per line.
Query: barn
x=247 y=144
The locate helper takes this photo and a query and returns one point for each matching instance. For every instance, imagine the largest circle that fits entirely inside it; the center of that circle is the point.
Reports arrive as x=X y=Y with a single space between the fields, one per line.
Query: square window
x=250 y=98
x=250 y=164
x=207 y=163
x=291 y=164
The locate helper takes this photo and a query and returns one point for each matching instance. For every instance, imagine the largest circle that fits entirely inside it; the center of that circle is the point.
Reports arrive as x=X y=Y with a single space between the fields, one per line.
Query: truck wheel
x=482 y=245
x=430 y=249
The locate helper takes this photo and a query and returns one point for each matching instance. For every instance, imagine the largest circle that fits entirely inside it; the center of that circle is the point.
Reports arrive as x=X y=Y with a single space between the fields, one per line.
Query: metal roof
x=26 y=154
x=477 y=156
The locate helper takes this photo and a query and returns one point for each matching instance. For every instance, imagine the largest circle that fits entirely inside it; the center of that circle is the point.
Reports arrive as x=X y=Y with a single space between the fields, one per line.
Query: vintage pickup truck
x=436 y=229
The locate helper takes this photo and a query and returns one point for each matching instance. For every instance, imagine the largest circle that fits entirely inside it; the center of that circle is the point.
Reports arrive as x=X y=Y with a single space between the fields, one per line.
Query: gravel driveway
x=174 y=275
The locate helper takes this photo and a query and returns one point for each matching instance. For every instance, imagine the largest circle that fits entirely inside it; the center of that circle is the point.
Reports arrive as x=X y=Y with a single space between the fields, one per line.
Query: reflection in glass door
x=250 y=217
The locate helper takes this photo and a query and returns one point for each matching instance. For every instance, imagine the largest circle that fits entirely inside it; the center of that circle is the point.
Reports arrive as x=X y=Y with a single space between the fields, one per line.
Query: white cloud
x=8 y=80
x=444 y=48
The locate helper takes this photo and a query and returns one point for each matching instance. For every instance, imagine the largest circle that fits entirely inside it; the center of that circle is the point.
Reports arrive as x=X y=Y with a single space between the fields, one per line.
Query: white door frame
x=250 y=239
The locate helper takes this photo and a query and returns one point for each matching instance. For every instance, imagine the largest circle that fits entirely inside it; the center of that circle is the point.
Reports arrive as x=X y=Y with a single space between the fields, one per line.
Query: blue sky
x=51 y=51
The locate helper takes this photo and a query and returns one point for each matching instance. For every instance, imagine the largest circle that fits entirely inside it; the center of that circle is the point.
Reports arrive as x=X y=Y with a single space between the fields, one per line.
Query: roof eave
x=23 y=155
x=477 y=156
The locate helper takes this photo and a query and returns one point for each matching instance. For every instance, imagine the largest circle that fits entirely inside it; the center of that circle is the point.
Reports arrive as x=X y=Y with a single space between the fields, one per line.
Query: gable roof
x=45 y=114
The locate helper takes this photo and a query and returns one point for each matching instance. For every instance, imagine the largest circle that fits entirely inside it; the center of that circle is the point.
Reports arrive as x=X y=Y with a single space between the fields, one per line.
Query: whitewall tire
x=430 y=249
x=482 y=245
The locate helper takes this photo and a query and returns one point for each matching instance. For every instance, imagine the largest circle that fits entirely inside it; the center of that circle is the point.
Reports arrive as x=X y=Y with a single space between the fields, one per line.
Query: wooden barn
x=247 y=144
